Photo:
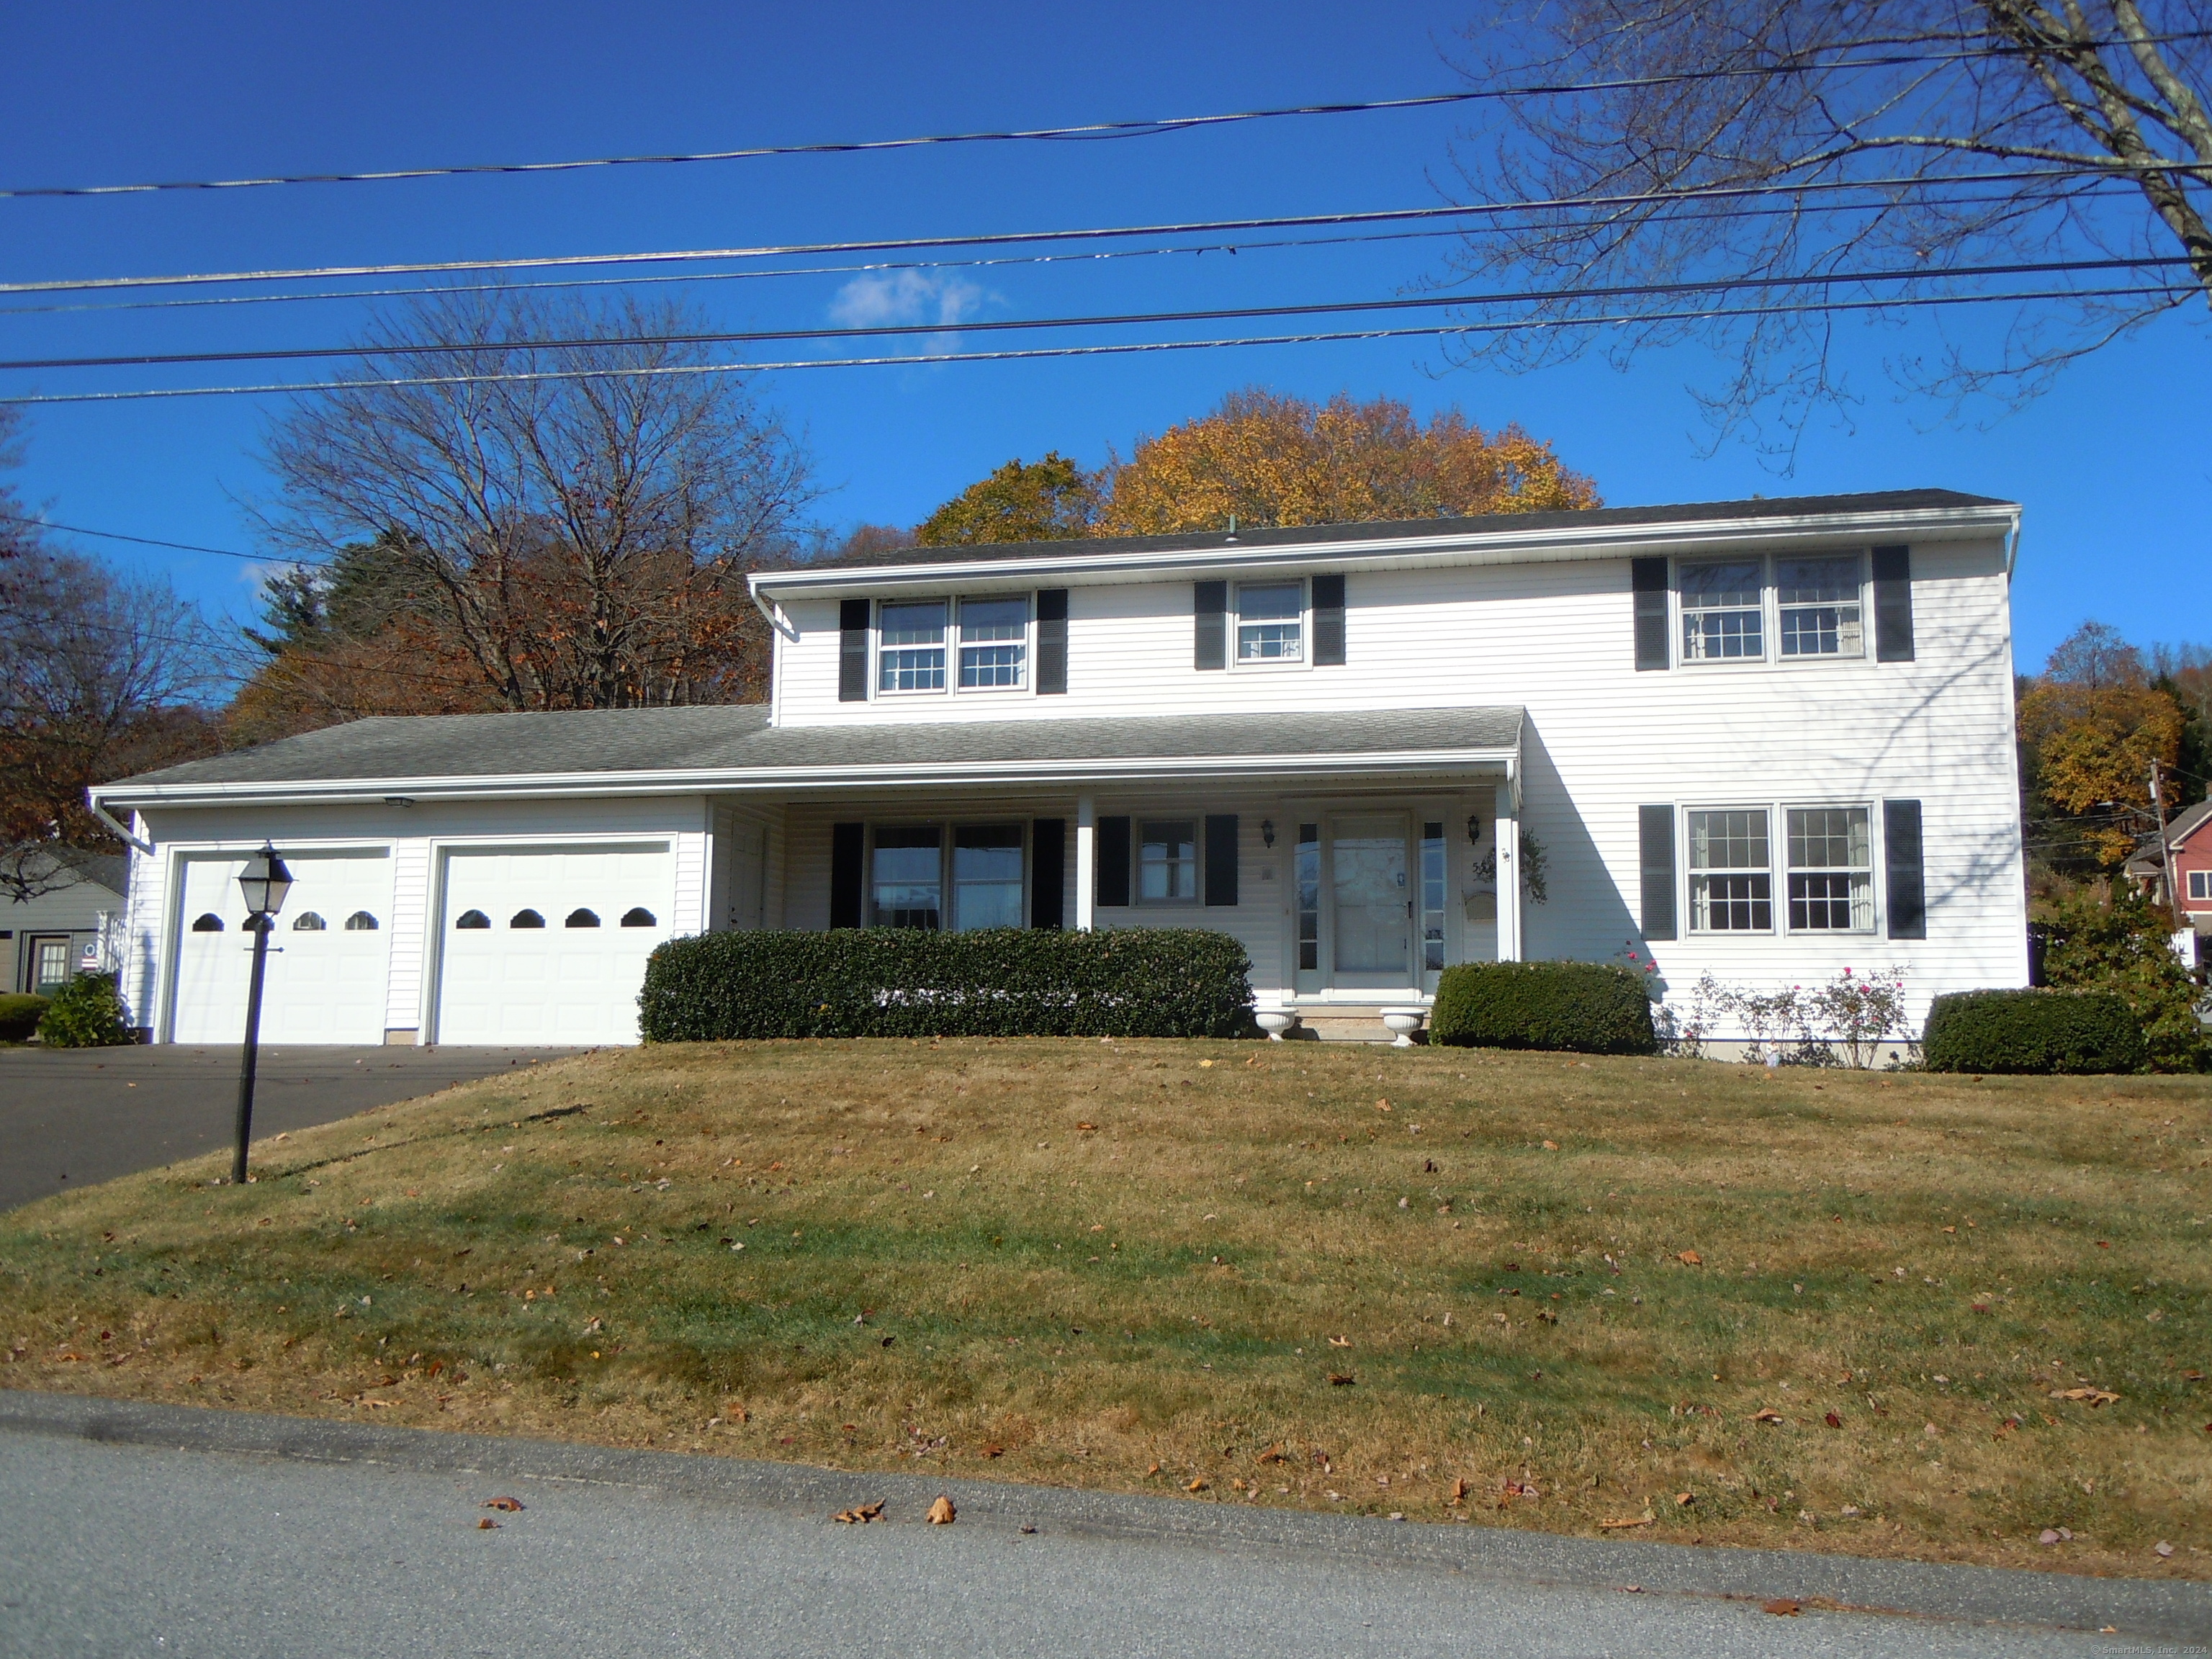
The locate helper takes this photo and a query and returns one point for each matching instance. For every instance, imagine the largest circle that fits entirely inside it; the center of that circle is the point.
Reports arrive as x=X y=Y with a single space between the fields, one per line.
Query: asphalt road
x=156 y=1530
x=69 y=1117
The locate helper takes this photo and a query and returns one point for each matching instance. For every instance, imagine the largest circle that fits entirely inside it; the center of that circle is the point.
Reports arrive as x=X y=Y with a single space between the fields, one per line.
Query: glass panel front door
x=1374 y=900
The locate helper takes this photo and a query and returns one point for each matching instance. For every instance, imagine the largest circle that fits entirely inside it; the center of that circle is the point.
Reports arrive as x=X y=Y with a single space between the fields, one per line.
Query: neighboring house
x=2188 y=849
x=1767 y=739
x=69 y=928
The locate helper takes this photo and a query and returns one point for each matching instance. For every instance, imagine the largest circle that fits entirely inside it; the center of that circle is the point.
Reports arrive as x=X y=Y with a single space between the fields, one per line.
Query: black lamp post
x=264 y=882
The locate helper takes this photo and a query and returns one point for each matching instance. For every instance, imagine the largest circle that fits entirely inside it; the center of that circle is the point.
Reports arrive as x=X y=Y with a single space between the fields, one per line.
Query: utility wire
x=877 y=266
x=143 y=541
x=1002 y=238
x=1123 y=320
x=921 y=360
x=1091 y=131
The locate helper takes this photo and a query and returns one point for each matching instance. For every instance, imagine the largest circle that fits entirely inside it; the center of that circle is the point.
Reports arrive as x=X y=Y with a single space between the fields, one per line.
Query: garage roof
x=663 y=749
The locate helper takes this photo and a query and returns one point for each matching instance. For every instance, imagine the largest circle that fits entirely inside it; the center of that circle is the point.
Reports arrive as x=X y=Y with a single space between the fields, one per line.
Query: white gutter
x=122 y=834
x=1461 y=544
x=939 y=775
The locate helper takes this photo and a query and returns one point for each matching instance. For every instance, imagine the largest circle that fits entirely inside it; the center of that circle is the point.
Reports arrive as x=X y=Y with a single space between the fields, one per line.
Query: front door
x=1373 y=901
x=49 y=963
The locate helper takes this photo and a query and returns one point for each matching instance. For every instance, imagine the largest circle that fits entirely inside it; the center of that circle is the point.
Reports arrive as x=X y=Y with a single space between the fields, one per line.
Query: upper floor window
x=993 y=643
x=1811 y=605
x=1269 y=622
x=2200 y=884
x=1723 y=610
x=910 y=652
x=1819 y=604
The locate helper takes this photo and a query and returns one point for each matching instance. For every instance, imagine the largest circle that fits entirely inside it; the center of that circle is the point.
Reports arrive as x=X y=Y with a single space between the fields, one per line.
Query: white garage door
x=328 y=958
x=549 y=944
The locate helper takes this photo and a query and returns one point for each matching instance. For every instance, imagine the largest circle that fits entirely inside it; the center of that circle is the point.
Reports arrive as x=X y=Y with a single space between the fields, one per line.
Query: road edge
x=2173 y=1610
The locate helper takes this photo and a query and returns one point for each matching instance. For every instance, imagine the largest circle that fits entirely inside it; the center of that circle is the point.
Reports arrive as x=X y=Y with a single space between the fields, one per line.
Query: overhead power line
x=1010 y=239
x=1121 y=319
x=1813 y=64
x=143 y=541
x=2175 y=296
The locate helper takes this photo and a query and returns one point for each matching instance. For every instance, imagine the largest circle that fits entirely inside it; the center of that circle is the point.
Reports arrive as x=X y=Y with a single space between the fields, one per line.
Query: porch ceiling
x=685 y=751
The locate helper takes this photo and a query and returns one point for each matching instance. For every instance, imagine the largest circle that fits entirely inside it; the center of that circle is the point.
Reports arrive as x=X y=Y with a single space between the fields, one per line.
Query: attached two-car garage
x=547 y=944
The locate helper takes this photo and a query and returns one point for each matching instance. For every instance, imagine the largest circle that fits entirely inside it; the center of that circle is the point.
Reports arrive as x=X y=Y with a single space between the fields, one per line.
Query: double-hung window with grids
x=1731 y=871
x=994 y=644
x=1830 y=869
x=1817 y=608
x=1723 y=610
x=1167 y=862
x=1270 y=622
x=1817 y=602
x=910 y=646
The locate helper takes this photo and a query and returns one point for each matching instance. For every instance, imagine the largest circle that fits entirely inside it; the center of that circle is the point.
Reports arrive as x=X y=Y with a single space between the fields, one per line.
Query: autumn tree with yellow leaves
x=1268 y=458
x=2091 y=725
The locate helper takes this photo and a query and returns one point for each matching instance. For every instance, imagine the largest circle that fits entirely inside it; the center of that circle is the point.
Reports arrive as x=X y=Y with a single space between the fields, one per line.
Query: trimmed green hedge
x=1579 y=1007
x=19 y=1016
x=2070 y=1032
x=895 y=981
x=86 y=1013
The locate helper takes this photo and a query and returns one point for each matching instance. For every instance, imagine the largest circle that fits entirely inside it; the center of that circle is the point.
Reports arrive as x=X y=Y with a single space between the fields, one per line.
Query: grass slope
x=1563 y=1291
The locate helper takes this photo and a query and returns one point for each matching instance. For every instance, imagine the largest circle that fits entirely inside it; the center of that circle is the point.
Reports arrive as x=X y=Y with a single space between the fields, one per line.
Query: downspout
x=121 y=832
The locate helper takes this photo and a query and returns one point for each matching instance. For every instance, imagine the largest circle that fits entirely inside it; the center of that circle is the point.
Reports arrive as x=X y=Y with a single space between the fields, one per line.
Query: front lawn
x=1681 y=1300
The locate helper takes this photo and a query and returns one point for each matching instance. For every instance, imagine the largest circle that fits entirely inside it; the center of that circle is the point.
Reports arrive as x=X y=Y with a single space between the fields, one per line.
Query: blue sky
x=2113 y=463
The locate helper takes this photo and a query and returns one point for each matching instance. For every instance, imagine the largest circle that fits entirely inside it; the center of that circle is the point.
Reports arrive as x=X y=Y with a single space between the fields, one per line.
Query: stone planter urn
x=1402 y=1024
x=1275 y=1021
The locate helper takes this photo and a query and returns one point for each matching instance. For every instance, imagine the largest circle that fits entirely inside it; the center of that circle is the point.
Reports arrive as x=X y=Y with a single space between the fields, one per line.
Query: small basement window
x=360 y=922
x=308 y=922
x=526 y=919
x=209 y=923
x=473 y=918
x=582 y=919
x=639 y=916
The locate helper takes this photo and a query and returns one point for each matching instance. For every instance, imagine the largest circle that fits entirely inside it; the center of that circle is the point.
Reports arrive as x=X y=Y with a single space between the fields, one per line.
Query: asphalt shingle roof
x=1785 y=507
x=739 y=739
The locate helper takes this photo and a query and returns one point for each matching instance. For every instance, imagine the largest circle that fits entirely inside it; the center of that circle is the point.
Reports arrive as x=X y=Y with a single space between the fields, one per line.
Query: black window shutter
x=1113 y=850
x=847 y=845
x=1209 y=604
x=853 y=653
x=1221 y=858
x=1655 y=833
x=1047 y=872
x=1328 y=620
x=1052 y=645
x=1892 y=612
x=1907 y=873
x=1647 y=578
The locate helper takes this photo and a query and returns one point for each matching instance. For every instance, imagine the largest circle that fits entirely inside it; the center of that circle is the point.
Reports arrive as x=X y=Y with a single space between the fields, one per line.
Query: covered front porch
x=1352 y=879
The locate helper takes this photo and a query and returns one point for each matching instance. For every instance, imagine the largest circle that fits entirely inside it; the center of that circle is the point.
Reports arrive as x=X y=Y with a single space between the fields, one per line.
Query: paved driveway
x=72 y=1116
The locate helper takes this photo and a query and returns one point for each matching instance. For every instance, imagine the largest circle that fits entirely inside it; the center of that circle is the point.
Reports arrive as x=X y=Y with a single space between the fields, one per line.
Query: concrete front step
x=1344 y=1022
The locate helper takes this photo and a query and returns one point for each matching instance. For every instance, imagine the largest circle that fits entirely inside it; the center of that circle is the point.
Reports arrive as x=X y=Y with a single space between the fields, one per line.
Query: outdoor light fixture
x=1473 y=831
x=399 y=800
x=1267 y=830
x=264 y=882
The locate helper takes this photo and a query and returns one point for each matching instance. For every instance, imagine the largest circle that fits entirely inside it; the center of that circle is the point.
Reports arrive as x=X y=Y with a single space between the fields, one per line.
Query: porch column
x=1509 y=875
x=1086 y=862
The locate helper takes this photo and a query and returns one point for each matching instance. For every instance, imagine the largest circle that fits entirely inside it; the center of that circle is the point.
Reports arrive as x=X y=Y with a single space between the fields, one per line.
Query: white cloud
x=905 y=297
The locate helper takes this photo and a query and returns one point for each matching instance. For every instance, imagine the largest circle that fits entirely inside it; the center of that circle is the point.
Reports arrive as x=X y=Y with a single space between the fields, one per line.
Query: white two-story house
x=1769 y=739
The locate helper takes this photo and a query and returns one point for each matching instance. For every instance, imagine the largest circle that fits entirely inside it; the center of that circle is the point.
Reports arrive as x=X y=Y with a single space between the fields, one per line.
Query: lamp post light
x=264 y=882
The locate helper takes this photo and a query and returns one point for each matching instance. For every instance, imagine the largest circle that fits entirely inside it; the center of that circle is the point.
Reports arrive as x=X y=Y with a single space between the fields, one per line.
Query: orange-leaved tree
x=2092 y=724
x=1268 y=458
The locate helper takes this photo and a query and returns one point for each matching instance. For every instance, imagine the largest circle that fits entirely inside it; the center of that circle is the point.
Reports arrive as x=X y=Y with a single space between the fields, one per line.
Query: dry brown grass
x=1139 y=1264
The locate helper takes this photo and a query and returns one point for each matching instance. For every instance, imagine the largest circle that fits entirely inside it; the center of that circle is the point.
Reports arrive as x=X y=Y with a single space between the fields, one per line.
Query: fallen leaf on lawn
x=1950 y=1229
x=506 y=1506
x=1832 y=1420
x=1782 y=1607
x=1618 y=1523
x=1684 y=1498
x=1198 y=1483
x=1340 y=1379
x=1767 y=1414
x=1690 y=1259
x=992 y=1451
x=1154 y=1470
x=1521 y=1489
x=2161 y=1549
x=2095 y=1397
x=487 y=1524
x=860 y=1515
x=941 y=1513
x=1458 y=1491
x=1203 y=1064
x=1086 y=1127
x=1551 y=1145
x=1339 y=1342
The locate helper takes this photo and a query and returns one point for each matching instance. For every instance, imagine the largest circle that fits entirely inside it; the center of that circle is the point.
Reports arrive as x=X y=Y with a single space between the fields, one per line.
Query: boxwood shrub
x=1580 y=1007
x=86 y=1013
x=19 y=1016
x=894 y=982
x=2037 y=1031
